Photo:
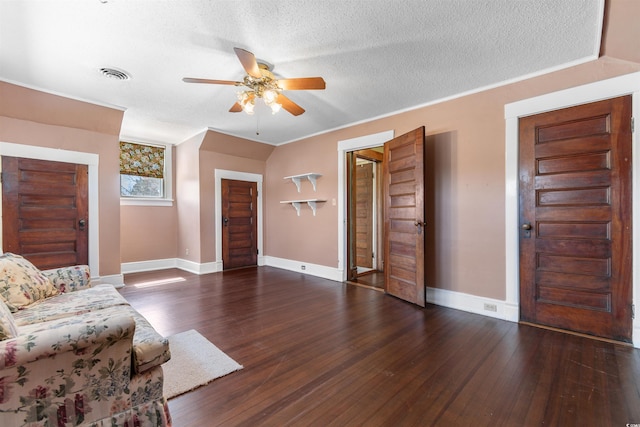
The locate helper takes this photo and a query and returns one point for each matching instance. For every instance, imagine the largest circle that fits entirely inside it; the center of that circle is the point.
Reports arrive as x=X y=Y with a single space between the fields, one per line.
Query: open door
x=365 y=233
x=404 y=215
x=364 y=214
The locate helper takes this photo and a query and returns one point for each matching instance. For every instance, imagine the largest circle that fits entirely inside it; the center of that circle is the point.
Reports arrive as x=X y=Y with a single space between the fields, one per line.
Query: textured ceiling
x=377 y=57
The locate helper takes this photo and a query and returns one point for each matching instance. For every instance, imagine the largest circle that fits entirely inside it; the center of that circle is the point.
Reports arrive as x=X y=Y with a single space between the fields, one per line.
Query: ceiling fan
x=261 y=83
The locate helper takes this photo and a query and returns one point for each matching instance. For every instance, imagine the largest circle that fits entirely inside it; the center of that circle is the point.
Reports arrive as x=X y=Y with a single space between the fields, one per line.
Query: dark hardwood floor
x=373 y=279
x=322 y=353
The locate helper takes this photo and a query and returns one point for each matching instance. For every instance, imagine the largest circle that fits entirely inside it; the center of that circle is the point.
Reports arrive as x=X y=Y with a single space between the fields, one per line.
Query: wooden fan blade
x=236 y=108
x=302 y=83
x=249 y=63
x=289 y=105
x=209 y=81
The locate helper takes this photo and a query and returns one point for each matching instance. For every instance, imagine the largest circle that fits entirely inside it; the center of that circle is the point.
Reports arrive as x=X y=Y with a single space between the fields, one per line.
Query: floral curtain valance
x=141 y=160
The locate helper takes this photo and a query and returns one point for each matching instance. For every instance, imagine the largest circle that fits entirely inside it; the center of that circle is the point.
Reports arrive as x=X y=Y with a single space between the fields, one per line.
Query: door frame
x=219 y=175
x=359 y=143
x=628 y=84
x=67 y=156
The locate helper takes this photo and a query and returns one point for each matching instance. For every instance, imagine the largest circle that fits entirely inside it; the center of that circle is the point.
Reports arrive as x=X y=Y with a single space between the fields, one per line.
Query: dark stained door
x=404 y=217
x=45 y=211
x=364 y=215
x=575 y=214
x=239 y=224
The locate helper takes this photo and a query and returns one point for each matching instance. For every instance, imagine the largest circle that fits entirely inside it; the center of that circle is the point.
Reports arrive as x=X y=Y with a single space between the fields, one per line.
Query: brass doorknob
x=526 y=226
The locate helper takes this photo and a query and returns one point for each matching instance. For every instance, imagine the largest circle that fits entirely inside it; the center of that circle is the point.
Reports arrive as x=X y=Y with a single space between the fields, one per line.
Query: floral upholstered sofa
x=73 y=354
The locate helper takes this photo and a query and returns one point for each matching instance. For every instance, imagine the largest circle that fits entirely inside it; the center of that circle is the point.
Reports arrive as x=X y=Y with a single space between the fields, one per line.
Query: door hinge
x=633 y=124
x=258 y=251
x=633 y=311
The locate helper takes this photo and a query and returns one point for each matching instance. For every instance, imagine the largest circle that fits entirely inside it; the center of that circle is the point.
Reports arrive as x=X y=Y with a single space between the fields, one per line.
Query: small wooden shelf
x=310 y=202
x=298 y=178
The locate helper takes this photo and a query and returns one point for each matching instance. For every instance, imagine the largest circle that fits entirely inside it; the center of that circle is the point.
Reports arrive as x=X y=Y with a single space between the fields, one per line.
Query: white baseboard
x=198 y=268
x=116 y=280
x=473 y=304
x=310 y=269
x=151 y=265
x=511 y=311
x=163 y=264
x=445 y=298
x=451 y=299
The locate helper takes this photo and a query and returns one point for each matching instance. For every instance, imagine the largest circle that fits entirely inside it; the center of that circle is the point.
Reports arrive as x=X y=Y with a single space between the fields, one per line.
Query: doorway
x=403 y=212
x=239 y=224
x=45 y=211
x=365 y=221
x=68 y=156
x=219 y=176
x=575 y=217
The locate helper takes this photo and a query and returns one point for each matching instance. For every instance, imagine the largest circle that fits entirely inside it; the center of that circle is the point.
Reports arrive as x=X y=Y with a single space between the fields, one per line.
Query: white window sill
x=132 y=201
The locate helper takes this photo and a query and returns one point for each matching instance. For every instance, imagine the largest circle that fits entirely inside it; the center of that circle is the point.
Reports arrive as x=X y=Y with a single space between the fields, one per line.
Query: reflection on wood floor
x=372 y=278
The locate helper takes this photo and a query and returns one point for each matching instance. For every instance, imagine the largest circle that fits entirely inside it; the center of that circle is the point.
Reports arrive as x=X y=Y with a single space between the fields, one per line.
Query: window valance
x=141 y=160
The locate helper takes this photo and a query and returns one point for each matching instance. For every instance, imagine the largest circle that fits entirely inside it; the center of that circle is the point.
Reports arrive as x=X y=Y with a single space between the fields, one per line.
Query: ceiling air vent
x=114 y=73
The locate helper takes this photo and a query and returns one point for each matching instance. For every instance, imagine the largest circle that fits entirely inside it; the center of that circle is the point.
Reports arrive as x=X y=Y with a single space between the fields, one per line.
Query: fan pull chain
x=257 y=124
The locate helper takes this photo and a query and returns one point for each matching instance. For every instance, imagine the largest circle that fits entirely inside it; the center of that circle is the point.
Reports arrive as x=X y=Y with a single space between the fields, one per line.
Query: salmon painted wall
x=621 y=38
x=187 y=187
x=219 y=151
x=196 y=162
x=465 y=171
x=465 y=183
x=149 y=232
x=307 y=238
x=34 y=118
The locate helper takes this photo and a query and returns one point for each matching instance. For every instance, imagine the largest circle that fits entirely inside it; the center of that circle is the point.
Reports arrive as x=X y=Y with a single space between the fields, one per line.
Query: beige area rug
x=194 y=362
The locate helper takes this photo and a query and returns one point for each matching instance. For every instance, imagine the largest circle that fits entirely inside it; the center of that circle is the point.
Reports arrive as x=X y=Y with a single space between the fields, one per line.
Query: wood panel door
x=575 y=214
x=239 y=224
x=404 y=217
x=364 y=215
x=45 y=211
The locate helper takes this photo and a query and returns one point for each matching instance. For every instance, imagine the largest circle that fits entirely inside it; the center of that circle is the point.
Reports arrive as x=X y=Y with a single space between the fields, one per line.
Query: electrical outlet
x=303 y=267
x=490 y=307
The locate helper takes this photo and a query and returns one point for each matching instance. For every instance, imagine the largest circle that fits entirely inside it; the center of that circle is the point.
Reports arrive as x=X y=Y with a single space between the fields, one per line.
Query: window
x=143 y=173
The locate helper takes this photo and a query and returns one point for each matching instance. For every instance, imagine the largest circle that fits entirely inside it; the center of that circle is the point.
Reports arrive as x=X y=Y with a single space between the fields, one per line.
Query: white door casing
x=610 y=88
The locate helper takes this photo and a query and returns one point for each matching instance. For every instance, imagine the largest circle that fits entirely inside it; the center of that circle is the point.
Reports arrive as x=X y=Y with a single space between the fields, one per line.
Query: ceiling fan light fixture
x=270 y=96
x=249 y=106
x=261 y=83
x=247 y=98
x=275 y=107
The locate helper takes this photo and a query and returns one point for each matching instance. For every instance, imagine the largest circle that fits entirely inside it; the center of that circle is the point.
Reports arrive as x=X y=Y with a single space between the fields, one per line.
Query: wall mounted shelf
x=310 y=202
x=298 y=178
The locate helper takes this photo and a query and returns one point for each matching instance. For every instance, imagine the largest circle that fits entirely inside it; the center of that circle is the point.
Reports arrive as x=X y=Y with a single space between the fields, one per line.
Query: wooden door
x=364 y=215
x=352 y=270
x=45 y=211
x=404 y=217
x=575 y=214
x=239 y=224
